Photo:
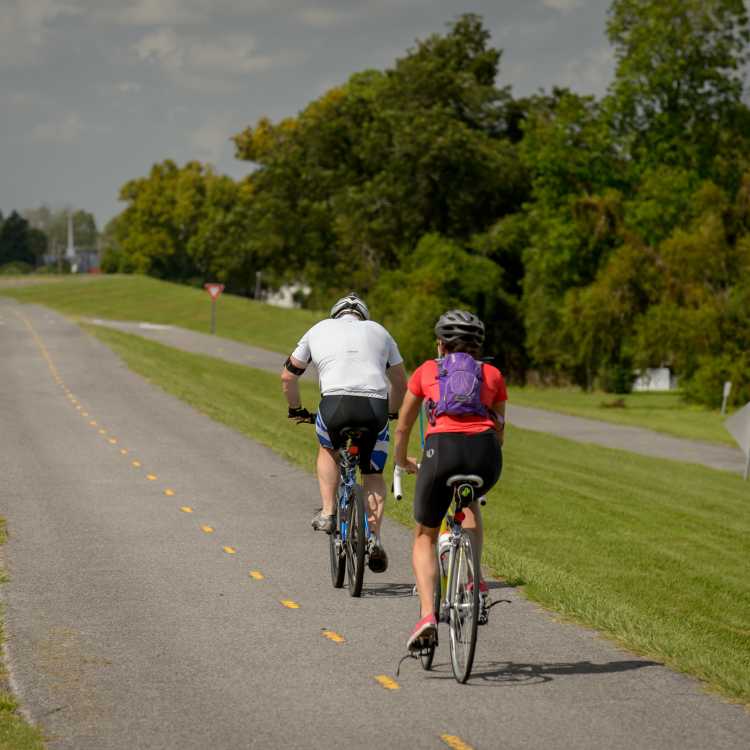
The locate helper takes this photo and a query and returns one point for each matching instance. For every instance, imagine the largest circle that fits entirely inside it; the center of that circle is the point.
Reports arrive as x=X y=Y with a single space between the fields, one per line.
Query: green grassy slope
x=653 y=553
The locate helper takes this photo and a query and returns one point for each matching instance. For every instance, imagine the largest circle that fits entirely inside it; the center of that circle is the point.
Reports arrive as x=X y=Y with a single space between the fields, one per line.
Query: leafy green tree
x=17 y=243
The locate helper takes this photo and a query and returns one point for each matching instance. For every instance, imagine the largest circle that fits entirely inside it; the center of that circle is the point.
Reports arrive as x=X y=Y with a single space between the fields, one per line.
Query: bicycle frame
x=348 y=465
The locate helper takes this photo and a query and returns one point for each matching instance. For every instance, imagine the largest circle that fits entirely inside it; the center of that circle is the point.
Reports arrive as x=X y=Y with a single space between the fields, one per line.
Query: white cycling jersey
x=351 y=355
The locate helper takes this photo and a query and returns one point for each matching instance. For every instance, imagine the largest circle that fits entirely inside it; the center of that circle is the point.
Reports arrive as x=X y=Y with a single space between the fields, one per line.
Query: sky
x=92 y=93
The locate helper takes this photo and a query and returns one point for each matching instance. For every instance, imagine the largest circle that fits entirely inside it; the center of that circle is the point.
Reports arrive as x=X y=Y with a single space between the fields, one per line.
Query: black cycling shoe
x=322 y=522
x=377 y=560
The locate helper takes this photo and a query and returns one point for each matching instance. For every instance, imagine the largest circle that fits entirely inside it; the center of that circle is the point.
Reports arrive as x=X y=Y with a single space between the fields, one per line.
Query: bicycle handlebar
x=398 y=490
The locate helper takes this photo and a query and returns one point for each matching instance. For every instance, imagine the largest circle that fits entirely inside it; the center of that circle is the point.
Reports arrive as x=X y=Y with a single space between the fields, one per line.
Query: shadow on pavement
x=512 y=673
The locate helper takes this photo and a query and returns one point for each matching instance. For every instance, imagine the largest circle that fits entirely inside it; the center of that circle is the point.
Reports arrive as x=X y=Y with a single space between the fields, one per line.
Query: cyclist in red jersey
x=454 y=444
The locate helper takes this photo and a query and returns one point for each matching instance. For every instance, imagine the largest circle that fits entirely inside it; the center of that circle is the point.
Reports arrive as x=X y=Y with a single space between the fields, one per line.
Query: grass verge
x=15 y=733
x=141 y=298
x=662 y=412
x=652 y=553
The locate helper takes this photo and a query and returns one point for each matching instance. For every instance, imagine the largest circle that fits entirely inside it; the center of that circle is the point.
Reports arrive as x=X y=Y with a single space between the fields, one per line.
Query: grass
x=652 y=553
x=15 y=733
x=662 y=412
x=141 y=298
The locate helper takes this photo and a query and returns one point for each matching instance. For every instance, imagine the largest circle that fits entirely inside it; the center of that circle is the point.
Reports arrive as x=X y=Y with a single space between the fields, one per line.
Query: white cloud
x=25 y=28
x=128 y=87
x=66 y=130
x=563 y=6
x=211 y=139
x=207 y=65
x=591 y=73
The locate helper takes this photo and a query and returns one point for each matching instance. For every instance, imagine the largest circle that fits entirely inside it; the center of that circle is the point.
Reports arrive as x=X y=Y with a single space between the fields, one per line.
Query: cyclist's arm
x=498 y=411
x=406 y=418
x=290 y=374
x=397 y=376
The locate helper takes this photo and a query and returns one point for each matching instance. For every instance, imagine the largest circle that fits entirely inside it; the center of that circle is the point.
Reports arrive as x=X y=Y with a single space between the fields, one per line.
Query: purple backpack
x=460 y=383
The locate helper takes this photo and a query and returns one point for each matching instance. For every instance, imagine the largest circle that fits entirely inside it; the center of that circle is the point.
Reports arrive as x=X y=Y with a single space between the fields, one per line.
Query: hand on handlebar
x=300 y=415
x=410 y=467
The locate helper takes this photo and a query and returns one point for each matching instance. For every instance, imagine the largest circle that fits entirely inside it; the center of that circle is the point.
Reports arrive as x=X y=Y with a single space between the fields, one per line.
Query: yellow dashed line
x=78 y=407
x=84 y=414
x=387 y=682
x=151 y=477
x=137 y=464
x=92 y=423
x=207 y=529
x=230 y=550
x=113 y=441
x=186 y=509
x=455 y=742
x=124 y=451
x=335 y=637
x=102 y=431
x=256 y=575
x=168 y=492
x=289 y=604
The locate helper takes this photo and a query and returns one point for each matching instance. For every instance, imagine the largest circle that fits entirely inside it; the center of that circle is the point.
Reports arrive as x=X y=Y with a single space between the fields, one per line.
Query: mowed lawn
x=663 y=412
x=653 y=553
x=140 y=298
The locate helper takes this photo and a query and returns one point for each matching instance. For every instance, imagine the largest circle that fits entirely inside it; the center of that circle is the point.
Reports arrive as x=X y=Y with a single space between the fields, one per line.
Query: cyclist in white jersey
x=362 y=383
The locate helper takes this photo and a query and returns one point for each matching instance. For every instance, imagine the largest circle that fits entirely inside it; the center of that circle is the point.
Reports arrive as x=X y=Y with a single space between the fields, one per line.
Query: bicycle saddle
x=471 y=479
x=354 y=433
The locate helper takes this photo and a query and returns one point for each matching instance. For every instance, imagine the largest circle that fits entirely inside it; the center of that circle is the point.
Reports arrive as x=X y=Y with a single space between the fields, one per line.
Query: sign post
x=214 y=290
x=738 y=426
x=727 y=391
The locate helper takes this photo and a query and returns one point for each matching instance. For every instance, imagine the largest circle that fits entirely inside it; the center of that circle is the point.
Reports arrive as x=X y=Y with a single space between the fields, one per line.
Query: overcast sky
x=94 y=92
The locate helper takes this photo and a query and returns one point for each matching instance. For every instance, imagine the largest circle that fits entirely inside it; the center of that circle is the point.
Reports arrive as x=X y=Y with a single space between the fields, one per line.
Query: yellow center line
x=102 y=432
x=256 y=575
x=207 y=529
x=455 y=742
x=84 y=414
x=168 y=492
x=92 y=423
x=124 y=451
x=387 y=682
x=151 y=477
x=78 y=407
x=113 y=441
x=186 y=509
x=230 y=550
x=289 y=604
x=333 y=636
x=137 y=464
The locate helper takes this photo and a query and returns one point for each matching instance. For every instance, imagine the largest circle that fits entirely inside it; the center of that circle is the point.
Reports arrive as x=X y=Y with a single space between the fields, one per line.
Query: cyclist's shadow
x=519 y=673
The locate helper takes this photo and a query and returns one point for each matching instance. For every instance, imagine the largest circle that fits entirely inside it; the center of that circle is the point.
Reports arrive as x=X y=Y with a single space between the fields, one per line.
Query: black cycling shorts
x=337 y=412
x=449 y=453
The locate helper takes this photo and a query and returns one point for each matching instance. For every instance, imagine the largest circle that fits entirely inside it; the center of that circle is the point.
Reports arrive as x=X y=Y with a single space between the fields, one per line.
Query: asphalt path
x=634 y=439
x=166 y=591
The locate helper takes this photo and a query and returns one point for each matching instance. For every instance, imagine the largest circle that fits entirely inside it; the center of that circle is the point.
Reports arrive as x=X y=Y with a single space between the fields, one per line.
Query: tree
x=17 y=244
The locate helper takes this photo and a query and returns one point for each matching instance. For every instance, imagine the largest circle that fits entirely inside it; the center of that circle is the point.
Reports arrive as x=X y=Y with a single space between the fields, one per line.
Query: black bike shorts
x=337 y=412
x=449 y=453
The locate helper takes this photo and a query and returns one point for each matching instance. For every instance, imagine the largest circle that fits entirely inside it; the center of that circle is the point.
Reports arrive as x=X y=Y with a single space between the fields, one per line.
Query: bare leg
x=328 y=479
x=374 y=486
x=473 y=523
x=424 y=562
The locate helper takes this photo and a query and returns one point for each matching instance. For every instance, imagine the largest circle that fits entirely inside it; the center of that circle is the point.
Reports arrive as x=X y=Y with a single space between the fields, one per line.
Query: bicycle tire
x=426 y=656
x=356 y=543
x=463 y=615
x=337 y=558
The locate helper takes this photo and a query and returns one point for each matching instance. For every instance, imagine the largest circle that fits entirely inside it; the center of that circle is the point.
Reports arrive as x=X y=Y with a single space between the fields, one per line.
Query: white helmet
x=350 y=303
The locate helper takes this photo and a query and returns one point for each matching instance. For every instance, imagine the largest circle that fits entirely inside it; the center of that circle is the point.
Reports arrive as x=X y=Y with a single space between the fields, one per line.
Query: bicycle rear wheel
x=336 y=552
x=427 y=655
x=356 y=542
x=463 y=616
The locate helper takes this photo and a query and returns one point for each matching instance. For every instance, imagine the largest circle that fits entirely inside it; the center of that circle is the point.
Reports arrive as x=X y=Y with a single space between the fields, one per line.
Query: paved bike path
x=634 y=439
x=133 y=621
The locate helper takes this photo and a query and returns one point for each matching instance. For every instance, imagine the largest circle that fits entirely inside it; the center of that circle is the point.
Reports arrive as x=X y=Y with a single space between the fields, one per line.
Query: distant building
x=654 y=379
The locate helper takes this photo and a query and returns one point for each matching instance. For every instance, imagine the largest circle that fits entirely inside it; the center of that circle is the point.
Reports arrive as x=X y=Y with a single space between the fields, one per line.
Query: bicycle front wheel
x=463 y=615
x=336 y=551
x=356 y=542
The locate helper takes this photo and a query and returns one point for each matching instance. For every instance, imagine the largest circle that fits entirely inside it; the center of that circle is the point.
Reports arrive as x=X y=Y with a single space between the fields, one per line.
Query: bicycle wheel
x=427 y=655
x=356 y=543
x=463 y=615
x=338 y=559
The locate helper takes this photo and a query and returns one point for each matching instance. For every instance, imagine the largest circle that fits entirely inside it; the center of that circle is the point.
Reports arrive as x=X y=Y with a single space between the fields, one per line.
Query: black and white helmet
x=350 y=303
x=461 y=326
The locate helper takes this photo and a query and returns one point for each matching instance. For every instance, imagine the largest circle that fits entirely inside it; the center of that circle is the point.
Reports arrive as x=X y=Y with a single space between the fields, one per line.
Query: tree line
x=595 y=236
x=34 y=238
